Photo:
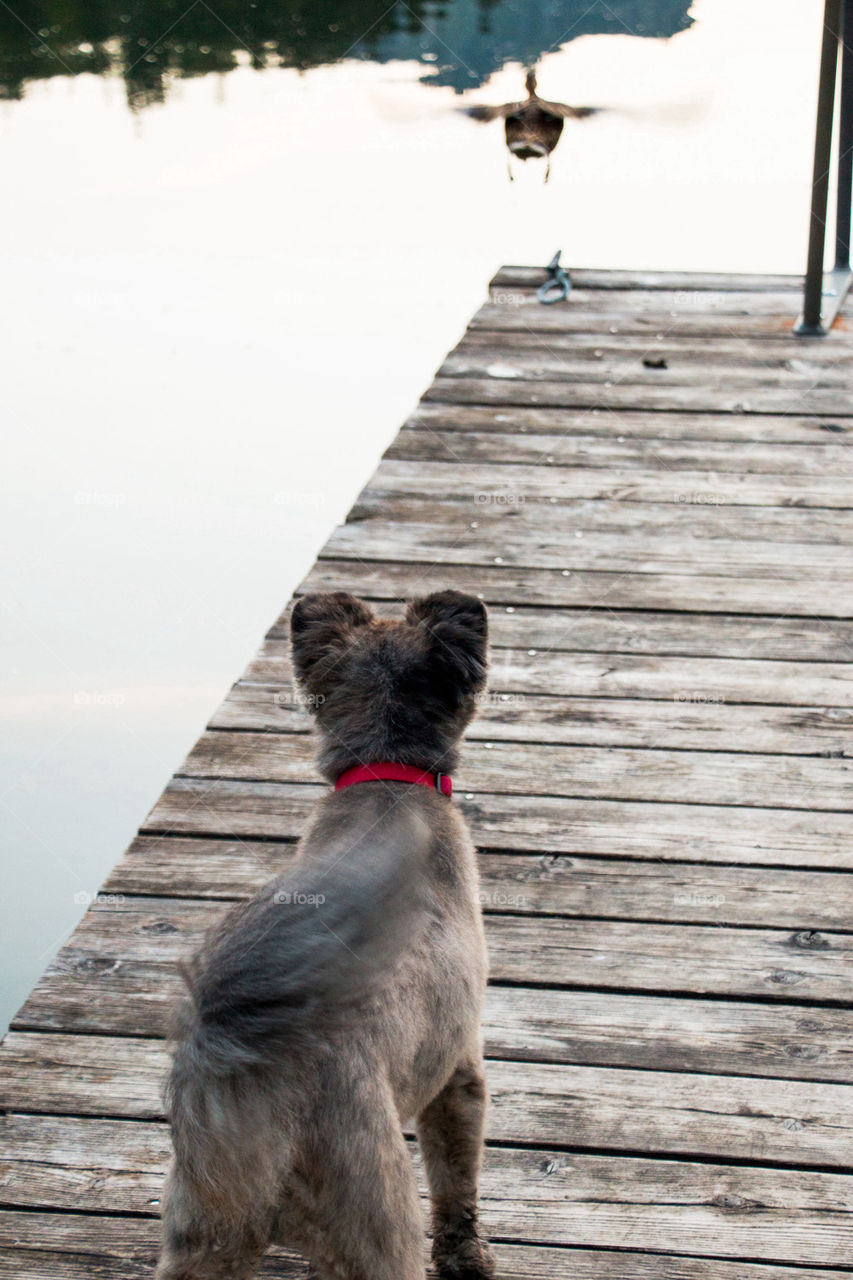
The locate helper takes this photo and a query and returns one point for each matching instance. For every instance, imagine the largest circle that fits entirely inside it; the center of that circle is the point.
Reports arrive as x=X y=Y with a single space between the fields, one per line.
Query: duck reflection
x=533 y=127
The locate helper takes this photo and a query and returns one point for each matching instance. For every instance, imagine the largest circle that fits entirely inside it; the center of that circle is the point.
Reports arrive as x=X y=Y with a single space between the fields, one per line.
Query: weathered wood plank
x=607 y=954
x=609 y=888
x=191 y=867
x=507 y=517
x=670 y=425
x=722 y=398
x=769 y=837
x=624 y=773
x=619 y=956
x=111 y=1076
x=511 y=586
x=601 y=954
x=737 y=352
x=84 y=992
x=683 y=893
x=638 y=369
x=91 y=1246
x=600 y=721
x=499 y=514
x=660 y=1033
x=772 y=468
x=774 y=317
x=677 y=634
x=454 y=538
x=686 y=682
x=522 y=277
x=677 y=303
x=55 y=1246
x=89 y=1265
x=604 y=1109
x=541 y=1196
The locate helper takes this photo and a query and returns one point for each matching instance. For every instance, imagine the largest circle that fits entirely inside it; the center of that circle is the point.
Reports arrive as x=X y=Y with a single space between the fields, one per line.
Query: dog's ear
x=320 y=625
x=458 y=631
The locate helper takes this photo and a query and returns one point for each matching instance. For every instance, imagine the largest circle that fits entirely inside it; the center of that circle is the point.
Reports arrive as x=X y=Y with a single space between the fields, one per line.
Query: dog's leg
x=197 y=1245
x=451 y=1136
x=234 y=1258
x=366 y=1222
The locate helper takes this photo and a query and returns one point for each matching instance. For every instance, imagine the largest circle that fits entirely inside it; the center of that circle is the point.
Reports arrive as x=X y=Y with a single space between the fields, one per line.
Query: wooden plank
x=617 y=889
x=521 y=277
x=719 y=544
x=648 y=456
x=634 y=369
x=721 y=398
x=670 y=425
x=624 y=773
x=660 y=1033
x=181 y=867
x=512 y=586
x=600 y=721
x=524 y=313
x=603 y=1109
x=557 y=884
x=91 y=1265
x=55 y=1246
x=523 y=525
x=79 y=1246
x=539 y=1196
x=540 y=493
x=614 y=955
x=633 y=631
x=519 y=522
x=741 y=304
x=736 y=351
x=669 y=832
x=562 y=673
x=112 y=1076
x=87 y=991
x=59 y=1162
x=607 y=954
x=675 y=302
x=526 y=1024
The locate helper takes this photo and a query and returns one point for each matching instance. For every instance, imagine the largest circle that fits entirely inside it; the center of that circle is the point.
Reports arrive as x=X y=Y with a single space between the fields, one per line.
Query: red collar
x=387 y=772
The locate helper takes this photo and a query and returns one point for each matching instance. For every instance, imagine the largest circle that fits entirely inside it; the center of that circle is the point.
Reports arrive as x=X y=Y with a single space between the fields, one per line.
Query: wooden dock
x=651 y=485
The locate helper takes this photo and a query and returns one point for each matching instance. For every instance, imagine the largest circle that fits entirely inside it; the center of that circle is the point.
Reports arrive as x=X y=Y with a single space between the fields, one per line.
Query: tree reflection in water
x=150 y=43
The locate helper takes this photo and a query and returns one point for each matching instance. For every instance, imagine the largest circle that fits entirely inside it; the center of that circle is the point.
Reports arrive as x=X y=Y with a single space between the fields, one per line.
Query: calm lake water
x=238 y=240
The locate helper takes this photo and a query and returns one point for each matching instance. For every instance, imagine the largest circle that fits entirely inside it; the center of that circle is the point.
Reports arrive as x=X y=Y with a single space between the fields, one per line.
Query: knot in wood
x=810 y=940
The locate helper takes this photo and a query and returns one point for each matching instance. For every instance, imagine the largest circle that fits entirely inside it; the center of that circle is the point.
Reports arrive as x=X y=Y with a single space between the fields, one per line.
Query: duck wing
x=484 y=113
x=568 y=113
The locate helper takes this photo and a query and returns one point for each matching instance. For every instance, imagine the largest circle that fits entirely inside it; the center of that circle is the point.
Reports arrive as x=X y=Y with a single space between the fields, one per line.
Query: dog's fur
x=313 y=1030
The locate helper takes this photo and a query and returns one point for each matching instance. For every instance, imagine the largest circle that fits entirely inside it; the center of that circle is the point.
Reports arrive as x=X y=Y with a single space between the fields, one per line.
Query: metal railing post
x=810 y=321
x=845 y=144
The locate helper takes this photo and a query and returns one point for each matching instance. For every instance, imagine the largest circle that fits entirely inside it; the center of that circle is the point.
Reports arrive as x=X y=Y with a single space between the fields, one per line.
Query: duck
x=533 y=127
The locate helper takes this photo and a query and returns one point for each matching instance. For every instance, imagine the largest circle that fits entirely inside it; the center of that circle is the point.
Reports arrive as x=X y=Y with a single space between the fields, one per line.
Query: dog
x=344 y=1000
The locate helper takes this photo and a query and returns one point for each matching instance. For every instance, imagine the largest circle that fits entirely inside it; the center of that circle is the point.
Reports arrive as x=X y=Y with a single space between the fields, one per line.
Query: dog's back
x=346 y=996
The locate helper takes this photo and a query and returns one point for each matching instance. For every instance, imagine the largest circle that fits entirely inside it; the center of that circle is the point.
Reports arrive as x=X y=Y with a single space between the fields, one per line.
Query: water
x=224 y=287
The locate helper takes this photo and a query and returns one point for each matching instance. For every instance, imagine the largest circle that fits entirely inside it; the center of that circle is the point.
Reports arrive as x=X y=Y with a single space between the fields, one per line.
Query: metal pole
x=845 y=143
x=813 y=294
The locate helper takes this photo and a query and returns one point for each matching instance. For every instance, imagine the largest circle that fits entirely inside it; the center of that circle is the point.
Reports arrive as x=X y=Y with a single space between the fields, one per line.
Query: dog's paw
x=462 y=1257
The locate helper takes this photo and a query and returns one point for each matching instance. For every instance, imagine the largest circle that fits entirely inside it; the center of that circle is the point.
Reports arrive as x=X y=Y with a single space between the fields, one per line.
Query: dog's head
x=388 y=690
